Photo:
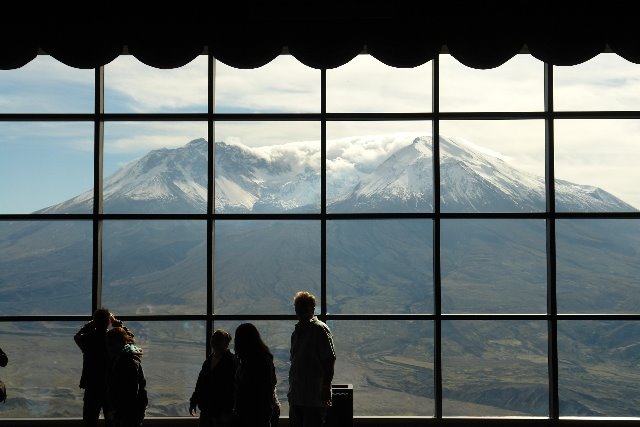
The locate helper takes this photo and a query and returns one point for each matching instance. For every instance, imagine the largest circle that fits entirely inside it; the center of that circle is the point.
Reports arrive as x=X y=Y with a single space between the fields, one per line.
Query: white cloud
x=151 y=90
x=283 y=85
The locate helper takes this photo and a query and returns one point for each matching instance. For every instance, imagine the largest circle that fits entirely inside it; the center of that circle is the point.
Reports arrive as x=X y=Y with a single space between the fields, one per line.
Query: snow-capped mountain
x=372 y=266
x=396 y=177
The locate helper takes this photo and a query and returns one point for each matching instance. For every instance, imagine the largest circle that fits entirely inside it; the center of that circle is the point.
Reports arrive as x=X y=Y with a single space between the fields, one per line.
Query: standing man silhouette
x=312 y=363
x=91 y=339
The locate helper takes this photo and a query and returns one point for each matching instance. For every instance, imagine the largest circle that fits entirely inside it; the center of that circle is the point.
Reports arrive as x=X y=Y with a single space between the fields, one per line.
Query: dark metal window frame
x=99 y=118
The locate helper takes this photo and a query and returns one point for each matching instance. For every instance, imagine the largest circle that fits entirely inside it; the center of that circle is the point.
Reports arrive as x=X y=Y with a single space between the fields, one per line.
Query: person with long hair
x=255 y=379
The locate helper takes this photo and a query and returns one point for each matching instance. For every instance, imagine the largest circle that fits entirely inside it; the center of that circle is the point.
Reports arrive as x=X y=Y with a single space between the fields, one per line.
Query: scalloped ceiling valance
x=249 y=34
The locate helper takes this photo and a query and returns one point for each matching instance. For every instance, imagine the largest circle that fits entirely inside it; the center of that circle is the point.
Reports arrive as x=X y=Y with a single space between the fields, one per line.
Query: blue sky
x=45 y=163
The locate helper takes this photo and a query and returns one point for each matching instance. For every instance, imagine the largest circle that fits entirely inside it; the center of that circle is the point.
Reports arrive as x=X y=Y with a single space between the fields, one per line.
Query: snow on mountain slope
x=364 y=173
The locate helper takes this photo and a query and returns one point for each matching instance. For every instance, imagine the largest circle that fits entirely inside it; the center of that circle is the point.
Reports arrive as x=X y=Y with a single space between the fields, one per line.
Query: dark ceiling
x=320 y=34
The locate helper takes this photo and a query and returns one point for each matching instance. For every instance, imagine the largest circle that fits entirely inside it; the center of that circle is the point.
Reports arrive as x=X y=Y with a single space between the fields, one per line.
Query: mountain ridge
x=287 y=178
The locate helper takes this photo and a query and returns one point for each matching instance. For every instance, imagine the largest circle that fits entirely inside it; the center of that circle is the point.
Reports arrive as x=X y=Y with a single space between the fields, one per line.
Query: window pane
x=493 y=266
x=264 y=263
x=44 y=166
x=284 y=85
x=44 y=370
x=596 y=165
x=46 y=85
x=267 y=167
x=173 y=353
x=155 y=167
x=516 y=85
x=154 y=267
x=597 y=266
x=492 y=166
x=367 y=85
x=598 y=368
x=389 y=363
x=382 y=266
x=45 y=267
x=379 y=167
x=606 y=82
x=494 y=368
x=133 y=87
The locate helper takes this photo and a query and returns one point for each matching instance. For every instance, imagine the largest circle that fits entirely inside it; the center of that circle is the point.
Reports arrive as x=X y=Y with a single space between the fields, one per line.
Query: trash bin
x=341 y=412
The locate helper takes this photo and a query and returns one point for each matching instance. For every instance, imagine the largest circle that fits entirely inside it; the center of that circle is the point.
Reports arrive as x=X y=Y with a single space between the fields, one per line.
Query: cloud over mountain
x=364 y=173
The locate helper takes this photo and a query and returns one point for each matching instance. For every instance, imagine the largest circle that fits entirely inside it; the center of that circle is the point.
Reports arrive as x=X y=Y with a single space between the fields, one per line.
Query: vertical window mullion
x=552 y=308
x=98 y=156
x=323 y=193
x=211 y=194
x=437 y=305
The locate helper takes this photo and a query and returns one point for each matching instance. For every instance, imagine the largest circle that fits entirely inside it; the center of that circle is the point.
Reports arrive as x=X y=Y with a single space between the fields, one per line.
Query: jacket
x=126 y=384
x=214 y=388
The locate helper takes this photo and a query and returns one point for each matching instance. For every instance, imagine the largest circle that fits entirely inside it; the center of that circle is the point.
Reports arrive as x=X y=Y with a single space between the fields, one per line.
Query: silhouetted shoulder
x=3 y=358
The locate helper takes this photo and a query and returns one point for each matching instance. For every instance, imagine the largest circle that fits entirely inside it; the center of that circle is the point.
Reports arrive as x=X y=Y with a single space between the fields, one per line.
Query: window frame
x=550 y=215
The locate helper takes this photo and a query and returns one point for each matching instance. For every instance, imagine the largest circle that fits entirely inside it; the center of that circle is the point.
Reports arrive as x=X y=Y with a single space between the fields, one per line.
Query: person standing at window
x=312 y=363
x=255 y=379
x=126 y=383
x=3 y=362
x=91 y=339
x=213 y=394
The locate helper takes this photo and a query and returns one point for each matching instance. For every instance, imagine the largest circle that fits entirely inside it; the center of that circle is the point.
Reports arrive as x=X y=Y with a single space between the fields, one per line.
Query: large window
x=472 y=236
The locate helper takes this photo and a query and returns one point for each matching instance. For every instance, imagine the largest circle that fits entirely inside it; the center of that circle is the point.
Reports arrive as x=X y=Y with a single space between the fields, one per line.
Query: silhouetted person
x=3 y=362
x=312 y=362
x=126 y=384
x=91 y=339
x=213 y=394
x=255 y=379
